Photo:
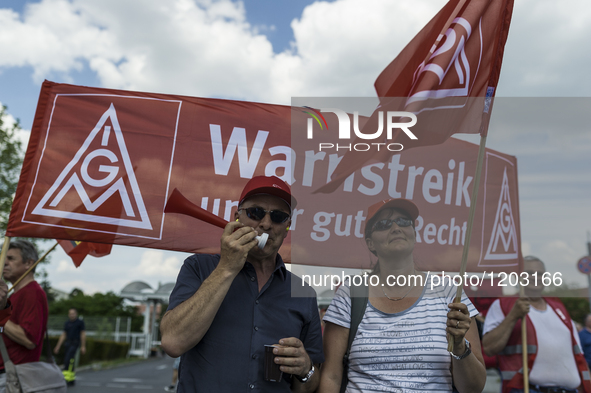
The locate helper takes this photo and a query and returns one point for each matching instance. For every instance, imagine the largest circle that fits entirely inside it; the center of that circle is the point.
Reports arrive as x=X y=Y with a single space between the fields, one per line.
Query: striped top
x=402 y=352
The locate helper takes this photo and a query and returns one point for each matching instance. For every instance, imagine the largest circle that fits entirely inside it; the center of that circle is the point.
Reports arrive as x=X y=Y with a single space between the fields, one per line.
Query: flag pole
x=473 y=200
x=3 y=253
x=524 y=347
x=32 y=267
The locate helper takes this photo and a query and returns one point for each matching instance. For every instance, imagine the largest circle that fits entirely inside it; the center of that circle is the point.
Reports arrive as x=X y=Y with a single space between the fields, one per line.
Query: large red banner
x=101 y=164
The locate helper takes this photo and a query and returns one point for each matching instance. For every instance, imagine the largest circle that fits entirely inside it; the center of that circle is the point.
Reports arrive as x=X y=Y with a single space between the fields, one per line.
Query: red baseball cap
x=271 y=185
x=398 y=203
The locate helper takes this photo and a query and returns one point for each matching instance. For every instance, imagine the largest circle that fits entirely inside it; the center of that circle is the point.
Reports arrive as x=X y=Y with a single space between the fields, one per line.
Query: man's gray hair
x=27 y=249
x=531 y=258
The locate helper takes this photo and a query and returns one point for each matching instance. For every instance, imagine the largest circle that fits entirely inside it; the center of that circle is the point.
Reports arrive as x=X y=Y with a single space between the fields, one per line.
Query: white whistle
x=262 y=239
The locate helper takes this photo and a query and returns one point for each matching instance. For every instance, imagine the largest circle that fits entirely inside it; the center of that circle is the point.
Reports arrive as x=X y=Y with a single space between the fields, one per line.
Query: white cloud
x=65 y=266
x=525 y=248
x=343 y=45
x=544 y=55
x=153 y=263
x=561 y=257
x=208 y=48
x=52 y=37
x=22 y=135
x=205 y=48
x=560 y=251
x=114 y=271
x=87 y=287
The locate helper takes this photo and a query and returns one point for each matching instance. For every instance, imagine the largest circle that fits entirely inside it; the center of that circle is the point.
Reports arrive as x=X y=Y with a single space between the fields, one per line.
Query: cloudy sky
x=269 y=51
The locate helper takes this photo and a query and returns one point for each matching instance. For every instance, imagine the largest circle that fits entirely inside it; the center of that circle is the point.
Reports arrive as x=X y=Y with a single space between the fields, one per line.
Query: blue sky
x=270 y=51
x=272 y=18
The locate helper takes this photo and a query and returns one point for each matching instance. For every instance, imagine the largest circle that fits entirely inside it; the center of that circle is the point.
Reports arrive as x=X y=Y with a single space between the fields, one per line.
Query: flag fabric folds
x=447 y=76
x=79 y=250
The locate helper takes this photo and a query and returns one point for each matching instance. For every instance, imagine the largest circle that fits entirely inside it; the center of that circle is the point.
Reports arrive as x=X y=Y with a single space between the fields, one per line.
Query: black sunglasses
x=258 y=213
x=386 y=223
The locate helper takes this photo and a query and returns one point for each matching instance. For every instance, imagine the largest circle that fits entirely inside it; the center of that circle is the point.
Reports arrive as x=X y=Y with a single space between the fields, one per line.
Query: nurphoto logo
x=387 y=120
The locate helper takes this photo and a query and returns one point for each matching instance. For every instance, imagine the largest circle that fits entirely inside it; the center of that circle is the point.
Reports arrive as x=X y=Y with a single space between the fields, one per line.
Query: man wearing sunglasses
x=225 y=308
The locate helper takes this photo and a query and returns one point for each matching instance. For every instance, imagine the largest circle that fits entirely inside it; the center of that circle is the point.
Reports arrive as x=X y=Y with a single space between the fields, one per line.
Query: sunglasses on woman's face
x=258 y=213
x=386 y=223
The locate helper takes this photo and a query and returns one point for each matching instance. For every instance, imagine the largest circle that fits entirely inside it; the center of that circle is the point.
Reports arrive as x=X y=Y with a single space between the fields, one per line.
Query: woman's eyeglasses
x=258 y=213
x=386 y=223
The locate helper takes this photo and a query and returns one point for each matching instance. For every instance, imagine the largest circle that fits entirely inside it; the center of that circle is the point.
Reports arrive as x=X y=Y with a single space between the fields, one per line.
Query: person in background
x=74 y=335
x=24 y=332
x=585 y=338
x=175 y=375
x=555 y=361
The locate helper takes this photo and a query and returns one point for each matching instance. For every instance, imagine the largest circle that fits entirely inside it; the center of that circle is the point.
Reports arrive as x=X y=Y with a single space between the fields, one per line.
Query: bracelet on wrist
x=465 y=354
x=308 y=376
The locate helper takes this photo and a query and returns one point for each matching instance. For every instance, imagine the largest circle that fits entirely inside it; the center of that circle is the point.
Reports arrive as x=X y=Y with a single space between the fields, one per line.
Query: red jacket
x=510 y=359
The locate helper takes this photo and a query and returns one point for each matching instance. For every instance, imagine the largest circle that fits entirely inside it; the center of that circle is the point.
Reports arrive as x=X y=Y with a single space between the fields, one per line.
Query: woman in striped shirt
x=400 y=344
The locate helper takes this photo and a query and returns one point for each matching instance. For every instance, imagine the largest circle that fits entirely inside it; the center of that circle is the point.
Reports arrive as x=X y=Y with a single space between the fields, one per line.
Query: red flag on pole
x=79 y=250
x=446 y=76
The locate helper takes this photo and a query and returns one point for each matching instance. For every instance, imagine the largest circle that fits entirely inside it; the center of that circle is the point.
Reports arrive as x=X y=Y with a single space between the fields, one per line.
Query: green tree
x=42 y=278
x=11 y=159
x=97 y=305
x=578 y=308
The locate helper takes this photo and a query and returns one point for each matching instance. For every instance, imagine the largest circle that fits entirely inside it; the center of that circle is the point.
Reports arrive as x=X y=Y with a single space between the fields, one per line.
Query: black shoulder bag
x=359 y=298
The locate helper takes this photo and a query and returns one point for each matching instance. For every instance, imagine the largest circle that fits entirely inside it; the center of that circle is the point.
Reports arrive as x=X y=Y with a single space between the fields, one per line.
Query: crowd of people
x=233 y=324
x=225 y=308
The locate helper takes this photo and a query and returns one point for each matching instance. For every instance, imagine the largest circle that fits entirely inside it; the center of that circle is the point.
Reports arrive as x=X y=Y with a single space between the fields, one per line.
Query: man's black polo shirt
x=73 y=330
x=229 y=358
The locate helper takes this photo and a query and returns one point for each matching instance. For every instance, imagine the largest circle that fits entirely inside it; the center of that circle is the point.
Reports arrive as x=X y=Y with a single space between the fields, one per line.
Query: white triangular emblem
x=503 y=232
x=456 y=38
x=69 y=179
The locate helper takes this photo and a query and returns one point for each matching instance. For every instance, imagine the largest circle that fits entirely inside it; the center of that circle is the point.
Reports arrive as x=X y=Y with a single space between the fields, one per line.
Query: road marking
x=127 y=380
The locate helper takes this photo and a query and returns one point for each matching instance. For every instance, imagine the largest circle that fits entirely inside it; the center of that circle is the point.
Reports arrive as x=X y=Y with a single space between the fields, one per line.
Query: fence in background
x=108 y=328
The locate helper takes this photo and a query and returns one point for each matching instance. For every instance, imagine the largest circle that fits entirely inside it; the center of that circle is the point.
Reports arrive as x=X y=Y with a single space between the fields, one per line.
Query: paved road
x=493 y=382
x=147 y=376
x=154 y=374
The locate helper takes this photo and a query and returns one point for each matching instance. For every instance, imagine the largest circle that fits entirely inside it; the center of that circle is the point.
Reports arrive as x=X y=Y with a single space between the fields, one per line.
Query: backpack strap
x=48 y=354
x=359 y=298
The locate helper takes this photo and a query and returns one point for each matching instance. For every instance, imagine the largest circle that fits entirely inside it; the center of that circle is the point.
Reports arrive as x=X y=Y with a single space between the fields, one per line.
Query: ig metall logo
x=387 y=120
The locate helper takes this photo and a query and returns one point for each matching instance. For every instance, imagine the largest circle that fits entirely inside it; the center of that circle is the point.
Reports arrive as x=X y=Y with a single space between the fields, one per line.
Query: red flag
x=79 y=250
x=446 y=76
